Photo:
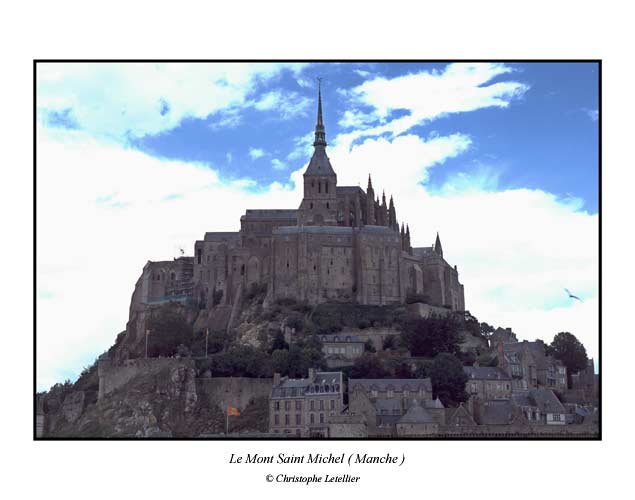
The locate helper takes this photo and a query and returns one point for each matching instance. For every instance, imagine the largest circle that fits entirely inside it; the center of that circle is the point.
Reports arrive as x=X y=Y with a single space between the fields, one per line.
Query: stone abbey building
x=341 y=244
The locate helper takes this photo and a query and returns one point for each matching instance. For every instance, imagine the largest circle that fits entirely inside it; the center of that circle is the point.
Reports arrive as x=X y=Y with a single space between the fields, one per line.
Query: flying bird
x=571 y=295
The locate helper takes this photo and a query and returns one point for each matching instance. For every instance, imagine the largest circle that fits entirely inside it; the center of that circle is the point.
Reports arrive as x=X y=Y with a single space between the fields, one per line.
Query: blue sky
x=135 y=160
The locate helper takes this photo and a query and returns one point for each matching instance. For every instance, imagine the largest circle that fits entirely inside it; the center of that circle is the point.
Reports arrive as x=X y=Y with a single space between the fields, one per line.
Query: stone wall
x=234 y=391
x=376 y=335
x=113 y=376
x=348 y=426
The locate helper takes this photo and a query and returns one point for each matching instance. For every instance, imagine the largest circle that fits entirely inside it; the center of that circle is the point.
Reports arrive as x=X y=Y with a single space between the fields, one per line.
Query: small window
x=321 y=418
x=327 y=204
x=312 y=419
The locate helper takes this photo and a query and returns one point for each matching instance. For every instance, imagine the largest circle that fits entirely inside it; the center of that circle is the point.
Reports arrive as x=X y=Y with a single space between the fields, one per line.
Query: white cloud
x=255 y=153
x=116 y=100
x=428 y=95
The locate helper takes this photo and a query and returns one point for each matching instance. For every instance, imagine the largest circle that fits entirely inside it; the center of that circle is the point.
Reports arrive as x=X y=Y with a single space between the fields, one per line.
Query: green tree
x=280 y=361
x=278 y=342
x=448 y=379
x=568 y=349
x=369 y=347
x=486 y=329
x=368 y=366
x=168 y=329
x=402 y=370
x=428 y=337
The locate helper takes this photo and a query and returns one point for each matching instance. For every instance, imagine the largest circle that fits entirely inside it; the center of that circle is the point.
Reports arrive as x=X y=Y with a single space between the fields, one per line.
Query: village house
x=486 y=382
x=341 y=350
x=530 y=367
x=541 y=406
x=302 y=406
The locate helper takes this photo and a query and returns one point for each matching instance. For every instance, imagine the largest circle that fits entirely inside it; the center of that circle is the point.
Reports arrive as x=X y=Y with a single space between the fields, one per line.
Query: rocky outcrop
x=73 y=406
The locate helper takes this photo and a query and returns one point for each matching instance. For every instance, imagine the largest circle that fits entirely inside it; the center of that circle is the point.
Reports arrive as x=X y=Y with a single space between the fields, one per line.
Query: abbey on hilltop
x=342 y=244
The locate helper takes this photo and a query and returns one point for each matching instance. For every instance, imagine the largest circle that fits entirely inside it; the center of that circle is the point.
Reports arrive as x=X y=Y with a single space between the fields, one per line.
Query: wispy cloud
x=287 y=104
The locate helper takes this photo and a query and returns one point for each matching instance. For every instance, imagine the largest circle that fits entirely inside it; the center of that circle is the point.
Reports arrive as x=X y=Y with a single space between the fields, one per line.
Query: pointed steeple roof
x=370 y=184
x=383 y=198
x=320 y=133
x=392 y=203
x=437 y=246
x=319 y=164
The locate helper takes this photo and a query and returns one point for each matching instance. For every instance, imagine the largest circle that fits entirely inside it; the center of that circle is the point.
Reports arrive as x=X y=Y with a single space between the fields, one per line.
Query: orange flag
x=233 y=412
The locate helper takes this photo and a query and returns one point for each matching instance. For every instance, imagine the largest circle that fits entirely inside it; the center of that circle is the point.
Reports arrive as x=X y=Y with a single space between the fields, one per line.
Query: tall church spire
x=320 y=133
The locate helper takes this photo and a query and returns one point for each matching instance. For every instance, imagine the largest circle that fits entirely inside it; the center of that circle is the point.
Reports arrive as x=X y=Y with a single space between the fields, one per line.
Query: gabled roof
x=434 y=404
x=416 y=414
x=547 y=401
x=459 y=411
x=543 y=399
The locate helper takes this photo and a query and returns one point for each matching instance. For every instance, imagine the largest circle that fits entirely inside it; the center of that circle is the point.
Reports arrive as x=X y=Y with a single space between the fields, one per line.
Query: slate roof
x=219 y=236
x=320 y=163
x=434 y=403
x=388 y=404
x=350 y=189
x=397 y=384
x=496 y=413
x=547 y=401
x=485 y=373
x=304 y=386
x=451 y=413
x=271 y=214
x=543 y=399
x=416 y=414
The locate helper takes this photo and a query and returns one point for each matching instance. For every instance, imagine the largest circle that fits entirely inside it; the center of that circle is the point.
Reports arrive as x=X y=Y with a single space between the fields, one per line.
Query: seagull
x=571 y=295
